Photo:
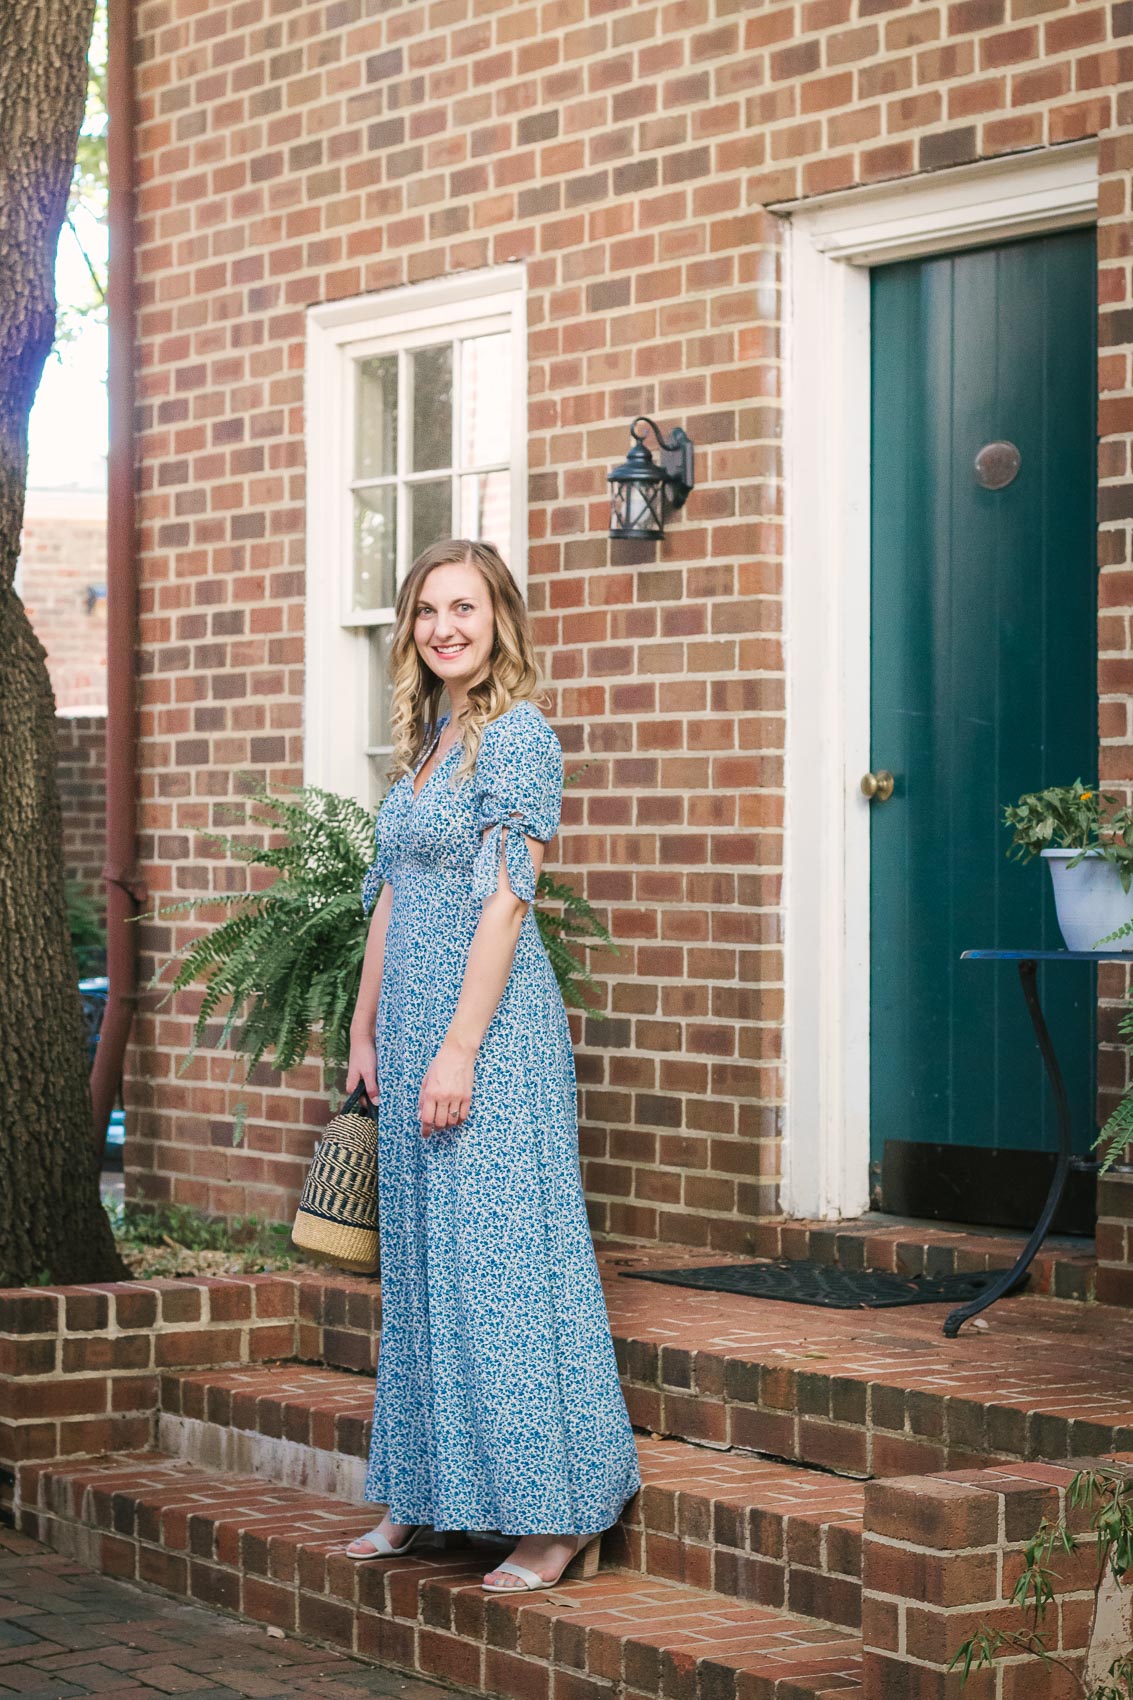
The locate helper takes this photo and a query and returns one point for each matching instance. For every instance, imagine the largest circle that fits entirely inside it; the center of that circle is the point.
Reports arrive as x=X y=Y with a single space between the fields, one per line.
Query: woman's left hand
x=446 y=1091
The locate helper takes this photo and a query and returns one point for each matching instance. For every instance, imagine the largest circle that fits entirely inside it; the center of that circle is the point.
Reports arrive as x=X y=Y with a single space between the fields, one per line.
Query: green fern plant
x=575 y=923
x=1117 y=1133
x=1107 y=1493
x=283 y=967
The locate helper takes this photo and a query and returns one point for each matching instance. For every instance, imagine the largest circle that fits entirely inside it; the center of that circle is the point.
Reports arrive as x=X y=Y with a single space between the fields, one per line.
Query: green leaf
x=1108 y=1493
x=977 y=1652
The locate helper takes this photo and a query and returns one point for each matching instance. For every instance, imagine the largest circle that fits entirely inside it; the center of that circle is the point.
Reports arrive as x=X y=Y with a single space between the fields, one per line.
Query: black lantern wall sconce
x=641 y=490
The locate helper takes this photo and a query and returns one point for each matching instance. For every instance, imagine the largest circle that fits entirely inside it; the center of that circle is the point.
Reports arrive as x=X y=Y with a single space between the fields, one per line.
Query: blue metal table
x=1027 y=962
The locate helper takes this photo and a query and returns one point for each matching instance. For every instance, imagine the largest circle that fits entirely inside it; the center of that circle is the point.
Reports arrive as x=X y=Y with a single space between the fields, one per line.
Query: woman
x=498 y=1405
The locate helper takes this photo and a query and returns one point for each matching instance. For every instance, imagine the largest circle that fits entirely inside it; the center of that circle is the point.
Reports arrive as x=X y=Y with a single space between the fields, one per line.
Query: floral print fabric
x=498 y=1404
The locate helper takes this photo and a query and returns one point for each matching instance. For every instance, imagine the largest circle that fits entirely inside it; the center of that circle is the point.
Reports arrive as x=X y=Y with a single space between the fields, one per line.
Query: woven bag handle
x=351 y=1103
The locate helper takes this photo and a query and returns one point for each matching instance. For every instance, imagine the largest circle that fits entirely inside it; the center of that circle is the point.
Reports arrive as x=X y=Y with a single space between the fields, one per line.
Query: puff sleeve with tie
x=519 y=790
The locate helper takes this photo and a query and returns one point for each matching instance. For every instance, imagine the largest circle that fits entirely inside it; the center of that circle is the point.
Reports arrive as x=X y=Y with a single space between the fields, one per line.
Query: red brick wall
x=81 y=772
x=1115 y=515
x=79 y=1366
x=291 y=154
x=940 y=1559
x=63 y=558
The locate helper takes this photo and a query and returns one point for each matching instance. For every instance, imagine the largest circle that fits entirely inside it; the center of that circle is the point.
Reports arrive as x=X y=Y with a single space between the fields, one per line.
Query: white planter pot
x=1089 y=899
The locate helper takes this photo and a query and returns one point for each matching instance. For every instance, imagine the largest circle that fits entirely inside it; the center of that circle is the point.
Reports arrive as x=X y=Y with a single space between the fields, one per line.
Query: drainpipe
x=124 y=891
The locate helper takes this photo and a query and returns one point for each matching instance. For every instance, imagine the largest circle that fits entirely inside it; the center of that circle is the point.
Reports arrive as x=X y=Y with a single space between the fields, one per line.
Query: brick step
x=726 y=1521
x=870 y=1393
x=862 y=1393
x=274 y=1555
x=1065 y=1268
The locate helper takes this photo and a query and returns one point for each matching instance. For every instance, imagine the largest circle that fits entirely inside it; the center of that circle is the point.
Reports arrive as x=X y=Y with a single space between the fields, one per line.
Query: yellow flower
x=1086 y=795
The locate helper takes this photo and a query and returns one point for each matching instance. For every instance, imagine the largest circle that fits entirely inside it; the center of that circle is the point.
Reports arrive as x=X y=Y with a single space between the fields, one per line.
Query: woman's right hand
x=363 y=1067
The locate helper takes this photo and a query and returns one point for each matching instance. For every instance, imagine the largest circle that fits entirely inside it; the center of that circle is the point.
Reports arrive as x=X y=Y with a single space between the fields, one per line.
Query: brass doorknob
x=878 y=787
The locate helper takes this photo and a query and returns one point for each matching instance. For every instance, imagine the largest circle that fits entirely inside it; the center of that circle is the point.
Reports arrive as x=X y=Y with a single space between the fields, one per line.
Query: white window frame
x=832 y=243
x=336 y=708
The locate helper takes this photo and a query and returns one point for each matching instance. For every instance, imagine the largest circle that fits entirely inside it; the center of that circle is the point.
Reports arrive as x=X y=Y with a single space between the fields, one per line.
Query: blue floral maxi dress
x=498 y=1404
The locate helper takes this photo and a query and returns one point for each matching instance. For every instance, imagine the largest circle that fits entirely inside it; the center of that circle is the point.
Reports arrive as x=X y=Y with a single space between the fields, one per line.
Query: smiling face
x=454 y=625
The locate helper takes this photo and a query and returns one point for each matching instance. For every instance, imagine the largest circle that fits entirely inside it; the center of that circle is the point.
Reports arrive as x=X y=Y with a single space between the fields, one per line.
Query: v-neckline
x=413 y=792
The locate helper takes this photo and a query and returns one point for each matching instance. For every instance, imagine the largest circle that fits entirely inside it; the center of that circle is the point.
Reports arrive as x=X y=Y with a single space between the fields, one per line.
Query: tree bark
x=52 y=1224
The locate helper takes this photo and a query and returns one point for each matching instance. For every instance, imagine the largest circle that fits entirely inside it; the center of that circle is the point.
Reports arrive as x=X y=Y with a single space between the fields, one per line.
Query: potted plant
x=1086 y=839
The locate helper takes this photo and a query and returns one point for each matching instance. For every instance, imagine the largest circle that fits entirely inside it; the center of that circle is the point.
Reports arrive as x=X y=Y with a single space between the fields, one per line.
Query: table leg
x=1011 y=1277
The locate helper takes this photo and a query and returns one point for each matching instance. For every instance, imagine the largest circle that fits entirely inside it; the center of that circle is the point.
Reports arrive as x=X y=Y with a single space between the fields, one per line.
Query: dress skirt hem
x=410 y=1515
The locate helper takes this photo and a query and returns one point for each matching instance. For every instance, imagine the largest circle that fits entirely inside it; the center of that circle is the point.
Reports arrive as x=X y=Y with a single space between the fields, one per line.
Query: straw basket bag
x=337 y=1219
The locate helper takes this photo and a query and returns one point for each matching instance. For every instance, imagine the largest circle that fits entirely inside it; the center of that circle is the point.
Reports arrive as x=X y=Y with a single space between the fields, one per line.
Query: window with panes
x=430 y=457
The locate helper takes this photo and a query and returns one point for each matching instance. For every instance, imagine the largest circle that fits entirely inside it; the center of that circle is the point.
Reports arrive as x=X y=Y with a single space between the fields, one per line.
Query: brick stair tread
x=1065 y=1266
x=724 y=1520
x=331 y=1409
x=272 y=1552
x=865 y=1393
x=870 y=1393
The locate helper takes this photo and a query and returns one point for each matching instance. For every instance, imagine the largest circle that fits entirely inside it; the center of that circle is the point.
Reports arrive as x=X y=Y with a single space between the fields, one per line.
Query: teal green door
x=983 y=686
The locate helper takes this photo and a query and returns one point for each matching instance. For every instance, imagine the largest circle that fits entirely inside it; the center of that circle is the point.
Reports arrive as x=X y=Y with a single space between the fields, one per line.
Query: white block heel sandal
x=583 y=1562
x=382 y=1547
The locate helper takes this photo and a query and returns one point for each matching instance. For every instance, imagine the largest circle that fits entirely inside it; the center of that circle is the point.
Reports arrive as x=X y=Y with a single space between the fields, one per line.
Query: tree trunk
x=52 y=1225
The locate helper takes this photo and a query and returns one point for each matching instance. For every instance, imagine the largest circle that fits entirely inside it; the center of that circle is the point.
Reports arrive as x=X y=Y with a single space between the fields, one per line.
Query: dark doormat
x=802 y=1282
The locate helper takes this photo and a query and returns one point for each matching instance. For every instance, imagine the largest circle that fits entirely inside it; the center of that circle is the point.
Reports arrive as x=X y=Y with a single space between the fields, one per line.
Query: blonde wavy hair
x=512 y=676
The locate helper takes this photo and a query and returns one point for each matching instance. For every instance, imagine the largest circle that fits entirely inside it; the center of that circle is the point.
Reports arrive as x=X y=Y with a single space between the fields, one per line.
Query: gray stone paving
x=66 y=1630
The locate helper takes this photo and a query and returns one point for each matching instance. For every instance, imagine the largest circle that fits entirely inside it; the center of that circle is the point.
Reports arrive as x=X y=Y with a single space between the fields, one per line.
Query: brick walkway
x=65 y=1630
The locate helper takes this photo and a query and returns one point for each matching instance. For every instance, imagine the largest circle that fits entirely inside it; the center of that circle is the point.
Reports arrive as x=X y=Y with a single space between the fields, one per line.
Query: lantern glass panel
x=636 y=509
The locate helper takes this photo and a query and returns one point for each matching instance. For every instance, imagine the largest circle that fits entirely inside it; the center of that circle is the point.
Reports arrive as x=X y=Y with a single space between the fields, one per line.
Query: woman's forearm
x=487 y=970
x=446 y=1091
x=365 y=1016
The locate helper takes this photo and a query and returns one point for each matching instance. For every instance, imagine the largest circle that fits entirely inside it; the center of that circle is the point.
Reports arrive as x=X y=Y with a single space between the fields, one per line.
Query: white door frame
x=831 y=244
